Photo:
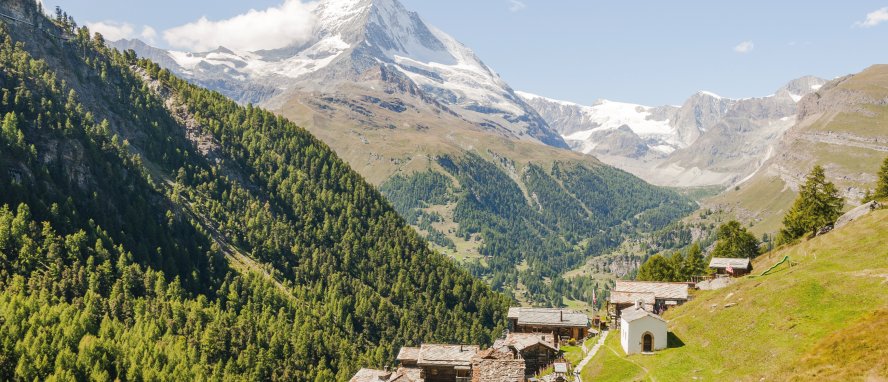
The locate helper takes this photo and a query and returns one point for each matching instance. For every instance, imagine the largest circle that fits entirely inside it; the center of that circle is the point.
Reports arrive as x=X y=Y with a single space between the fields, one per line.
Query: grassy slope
x=611 y=365
x=812 y=318
x=849 y=141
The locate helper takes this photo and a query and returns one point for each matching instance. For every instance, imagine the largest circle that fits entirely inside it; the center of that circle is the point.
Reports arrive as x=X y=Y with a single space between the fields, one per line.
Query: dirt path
x=844 y=141
x=591 y=353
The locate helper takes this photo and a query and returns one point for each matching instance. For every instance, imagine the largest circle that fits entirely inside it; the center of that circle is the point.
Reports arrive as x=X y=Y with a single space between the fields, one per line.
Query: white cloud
x=148 y=34
x=516 y=6
x=112 y=30
x=276 y=27
x=744 y=47
x=874 y=18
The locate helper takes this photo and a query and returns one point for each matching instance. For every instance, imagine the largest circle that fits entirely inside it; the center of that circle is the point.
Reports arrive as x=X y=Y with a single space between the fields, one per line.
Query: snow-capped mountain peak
x=359 y=44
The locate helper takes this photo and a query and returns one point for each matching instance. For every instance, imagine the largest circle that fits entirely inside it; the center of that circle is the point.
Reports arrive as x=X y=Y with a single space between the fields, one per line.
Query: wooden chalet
x=655 y=297
x=440 y=363
x=737 y=267
x=564 y=323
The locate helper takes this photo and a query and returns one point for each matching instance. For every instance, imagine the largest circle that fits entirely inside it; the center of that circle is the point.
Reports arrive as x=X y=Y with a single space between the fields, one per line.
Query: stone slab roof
x=408 y=354
x=400 y=375
x=632 y=313
x=446 y=355
x=549 y=317
x=666 y=291
x=521 y=341
x=494 y=366
x=620 y=297
x=723 y=262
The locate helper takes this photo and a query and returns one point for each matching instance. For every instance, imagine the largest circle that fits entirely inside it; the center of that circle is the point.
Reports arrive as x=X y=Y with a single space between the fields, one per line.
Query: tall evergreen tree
x=735 y=241
x=693 y=264
x=656 y=268
x=882 y=183
x=818 y=205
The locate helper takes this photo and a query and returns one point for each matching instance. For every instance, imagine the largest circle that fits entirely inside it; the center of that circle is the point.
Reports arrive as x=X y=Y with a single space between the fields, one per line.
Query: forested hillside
x=150 y=229
x=539 y=227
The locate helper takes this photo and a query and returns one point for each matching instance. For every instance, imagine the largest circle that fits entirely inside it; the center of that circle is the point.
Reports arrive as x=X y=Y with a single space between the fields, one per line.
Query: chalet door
x=463 y=375
x=647 y=343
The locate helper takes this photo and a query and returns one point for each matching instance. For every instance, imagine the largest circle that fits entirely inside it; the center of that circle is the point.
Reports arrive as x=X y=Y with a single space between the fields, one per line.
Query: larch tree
x=882 y=183
x=818 y=205
x=734 y=241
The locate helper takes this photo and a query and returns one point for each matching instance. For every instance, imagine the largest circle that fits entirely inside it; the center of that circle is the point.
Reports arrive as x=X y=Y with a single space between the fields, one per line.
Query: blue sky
x=649 y=52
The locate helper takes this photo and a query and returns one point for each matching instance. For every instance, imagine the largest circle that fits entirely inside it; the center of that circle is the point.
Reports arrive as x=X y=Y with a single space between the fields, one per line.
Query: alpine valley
x=464 y=158
x=372 y=194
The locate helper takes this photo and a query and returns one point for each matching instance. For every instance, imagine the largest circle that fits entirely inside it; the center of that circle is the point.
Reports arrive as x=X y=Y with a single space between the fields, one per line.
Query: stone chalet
x=738 y=267
x=563 y=322
x=656 y=297
x=400 y=375
x=511 y=359
x=537 y=350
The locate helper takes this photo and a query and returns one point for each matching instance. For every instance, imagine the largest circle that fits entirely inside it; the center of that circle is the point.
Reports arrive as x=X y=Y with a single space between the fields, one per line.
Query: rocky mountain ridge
x=365 y=46
x=708 y=140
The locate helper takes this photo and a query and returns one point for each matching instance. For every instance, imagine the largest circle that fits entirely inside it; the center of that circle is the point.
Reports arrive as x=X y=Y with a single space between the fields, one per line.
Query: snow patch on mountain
x=366 y=46
x=605 y=115
x=711 y=94
x=610 y=115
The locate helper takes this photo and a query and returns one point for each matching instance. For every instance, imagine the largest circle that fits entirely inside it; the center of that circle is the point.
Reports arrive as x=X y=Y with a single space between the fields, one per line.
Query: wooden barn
x=730 y=267
x=564 y=323
x=655 y=297
x=440 y=363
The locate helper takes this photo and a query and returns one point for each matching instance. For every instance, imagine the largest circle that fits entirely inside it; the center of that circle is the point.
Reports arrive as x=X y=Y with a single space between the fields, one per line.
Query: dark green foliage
x=694 y=264
x=882 y=182
x=677 y=267
x=113 y=266
x=657 y=268
x=412 y=193
x=734 y=241
x=570 y=214
x=819 y=204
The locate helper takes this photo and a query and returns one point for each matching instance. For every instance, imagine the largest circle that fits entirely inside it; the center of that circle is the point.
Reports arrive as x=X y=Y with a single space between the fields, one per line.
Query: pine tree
x=817 y=206
x=734 y=241
x=882 y=183
x=694 y=264
x=656 y=268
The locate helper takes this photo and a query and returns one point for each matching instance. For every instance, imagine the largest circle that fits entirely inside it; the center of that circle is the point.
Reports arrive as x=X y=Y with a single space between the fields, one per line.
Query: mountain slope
x=709 y=140
x=368 y=44
x=464 y=159
x=840 y=127
x=156 y=230
x=821 y=319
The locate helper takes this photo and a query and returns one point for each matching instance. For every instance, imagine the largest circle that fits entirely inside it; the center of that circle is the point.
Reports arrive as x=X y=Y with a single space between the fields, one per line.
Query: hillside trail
x=647 y=373
x=591 y=353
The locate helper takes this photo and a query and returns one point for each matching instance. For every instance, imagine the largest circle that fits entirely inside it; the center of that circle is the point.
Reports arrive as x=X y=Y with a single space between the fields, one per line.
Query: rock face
x=359 y=48
x=599 y=128
x=856 y=213
x=841 y=127
x=708 y=140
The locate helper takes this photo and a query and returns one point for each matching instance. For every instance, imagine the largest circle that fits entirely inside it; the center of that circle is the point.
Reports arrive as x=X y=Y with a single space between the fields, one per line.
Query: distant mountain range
x=709 y=140
x=394 y=97
x=375 y=45
x=467 y=161
x=373 y=62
